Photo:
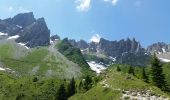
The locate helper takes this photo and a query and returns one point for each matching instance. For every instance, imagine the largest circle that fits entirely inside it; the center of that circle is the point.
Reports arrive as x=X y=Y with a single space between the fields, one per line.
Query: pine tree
x=71 y=88
x=157 y=76
x=87 y=83
x=118 y=69
x=144 y=76
x=62 y=95
x=131 y=70
x=80 y=85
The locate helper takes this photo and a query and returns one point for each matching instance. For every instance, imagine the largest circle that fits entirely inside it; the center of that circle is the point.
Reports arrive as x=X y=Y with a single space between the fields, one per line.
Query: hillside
x=40 y=61
x=121 y=86
x=38 y=65
x=28 y=88
x=73 y=54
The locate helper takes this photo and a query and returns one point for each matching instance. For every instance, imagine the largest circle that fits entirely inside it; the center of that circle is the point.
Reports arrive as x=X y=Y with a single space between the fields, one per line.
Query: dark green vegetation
x=42 y=61
x=47 y=73
x=113 y=84
x=74 y=55
x=157 y=76
x=43 y=88
x=33 y=88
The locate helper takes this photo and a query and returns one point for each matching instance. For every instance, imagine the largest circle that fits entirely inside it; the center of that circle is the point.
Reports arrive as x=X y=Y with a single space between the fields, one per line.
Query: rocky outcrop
x=55 y=37
x=127 y=51
x=22 y=19
x=158 y=48
x=36 y=34
x=33 y=32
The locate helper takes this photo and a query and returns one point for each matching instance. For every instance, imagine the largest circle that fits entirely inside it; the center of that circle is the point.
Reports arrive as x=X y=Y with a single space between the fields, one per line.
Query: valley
x=38 y=65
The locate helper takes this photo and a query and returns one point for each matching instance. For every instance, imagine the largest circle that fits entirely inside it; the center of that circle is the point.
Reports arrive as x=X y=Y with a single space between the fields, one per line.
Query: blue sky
x=146 y=20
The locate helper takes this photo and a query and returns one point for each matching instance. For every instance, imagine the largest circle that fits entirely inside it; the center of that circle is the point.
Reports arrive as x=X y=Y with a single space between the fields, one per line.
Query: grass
x=38 y=61
x=167 y=72
x=5 y=51
x=25 y=87
x=117 y=82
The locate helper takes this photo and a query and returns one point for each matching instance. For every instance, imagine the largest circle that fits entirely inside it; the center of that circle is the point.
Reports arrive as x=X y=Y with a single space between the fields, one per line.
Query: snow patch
x=159 y=52
x=23 y=44
x=113 y=58
x=6 y=69
x=2 y=69
x=163 y=49
x=83 y=50
x=3 y=34
x=19 y=26
x=146 y=54
x=98 y=68
x=51 y=42
x=164 y=60
x=13 y=37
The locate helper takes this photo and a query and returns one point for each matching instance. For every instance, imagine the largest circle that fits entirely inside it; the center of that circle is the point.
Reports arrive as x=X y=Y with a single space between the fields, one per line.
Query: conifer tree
x=144 y=76
x=88 y=82
x=118 y=69
x=71 y=88
x=62 y=95
x=80 y=85
x=157 y=76
x=131 y=70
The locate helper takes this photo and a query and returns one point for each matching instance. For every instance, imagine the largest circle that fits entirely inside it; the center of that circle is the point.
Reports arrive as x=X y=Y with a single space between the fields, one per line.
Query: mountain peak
x=23 y=19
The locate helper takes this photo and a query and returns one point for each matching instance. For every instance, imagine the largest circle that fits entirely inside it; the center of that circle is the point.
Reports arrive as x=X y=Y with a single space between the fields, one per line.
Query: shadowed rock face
x=23 y=19
x=127 y=51
x=33 y=32
x=36 y=34
x=55 y=37
x=110 y=48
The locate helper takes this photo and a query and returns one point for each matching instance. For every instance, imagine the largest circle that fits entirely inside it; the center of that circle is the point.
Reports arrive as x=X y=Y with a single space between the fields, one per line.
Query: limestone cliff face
x=33 y=32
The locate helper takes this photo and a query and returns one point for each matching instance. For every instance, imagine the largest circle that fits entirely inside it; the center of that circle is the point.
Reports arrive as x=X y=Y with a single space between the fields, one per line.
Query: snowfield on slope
x=3 y=34
x=98 y=68
x=13 y=37
x=23 y=44
x=2 y=69
x=164 y=60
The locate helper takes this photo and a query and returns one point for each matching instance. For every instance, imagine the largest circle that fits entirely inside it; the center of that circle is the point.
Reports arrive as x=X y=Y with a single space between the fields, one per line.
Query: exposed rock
x=33 y=32
x=123 y=51
x=55 y=37
x=158 y=48
x=36 y=34
x=22 y=19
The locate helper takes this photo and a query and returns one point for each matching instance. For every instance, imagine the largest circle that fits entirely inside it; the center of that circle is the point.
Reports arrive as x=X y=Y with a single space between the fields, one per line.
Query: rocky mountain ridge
x=123 y=51
x=33 y=32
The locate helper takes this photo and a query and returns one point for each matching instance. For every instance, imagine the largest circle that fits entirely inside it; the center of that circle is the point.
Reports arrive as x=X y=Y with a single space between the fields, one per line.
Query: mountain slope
x=33 y=32
x=109 y=52
x=120 y=86
x=42 y=61
x=73 y=54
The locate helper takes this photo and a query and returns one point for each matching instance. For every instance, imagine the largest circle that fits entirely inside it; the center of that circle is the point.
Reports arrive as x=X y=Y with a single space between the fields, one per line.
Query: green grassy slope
x=41 y=61
x=113 y=86
x=74 y=55
x=28 y=88
x=167 y=72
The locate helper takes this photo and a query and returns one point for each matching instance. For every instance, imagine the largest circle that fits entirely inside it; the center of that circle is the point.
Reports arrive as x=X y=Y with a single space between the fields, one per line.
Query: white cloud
x=95 y=38
x=10 y=9
x=23 y=10
x=114 y=2
x=83 y=5
x=106 y=0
